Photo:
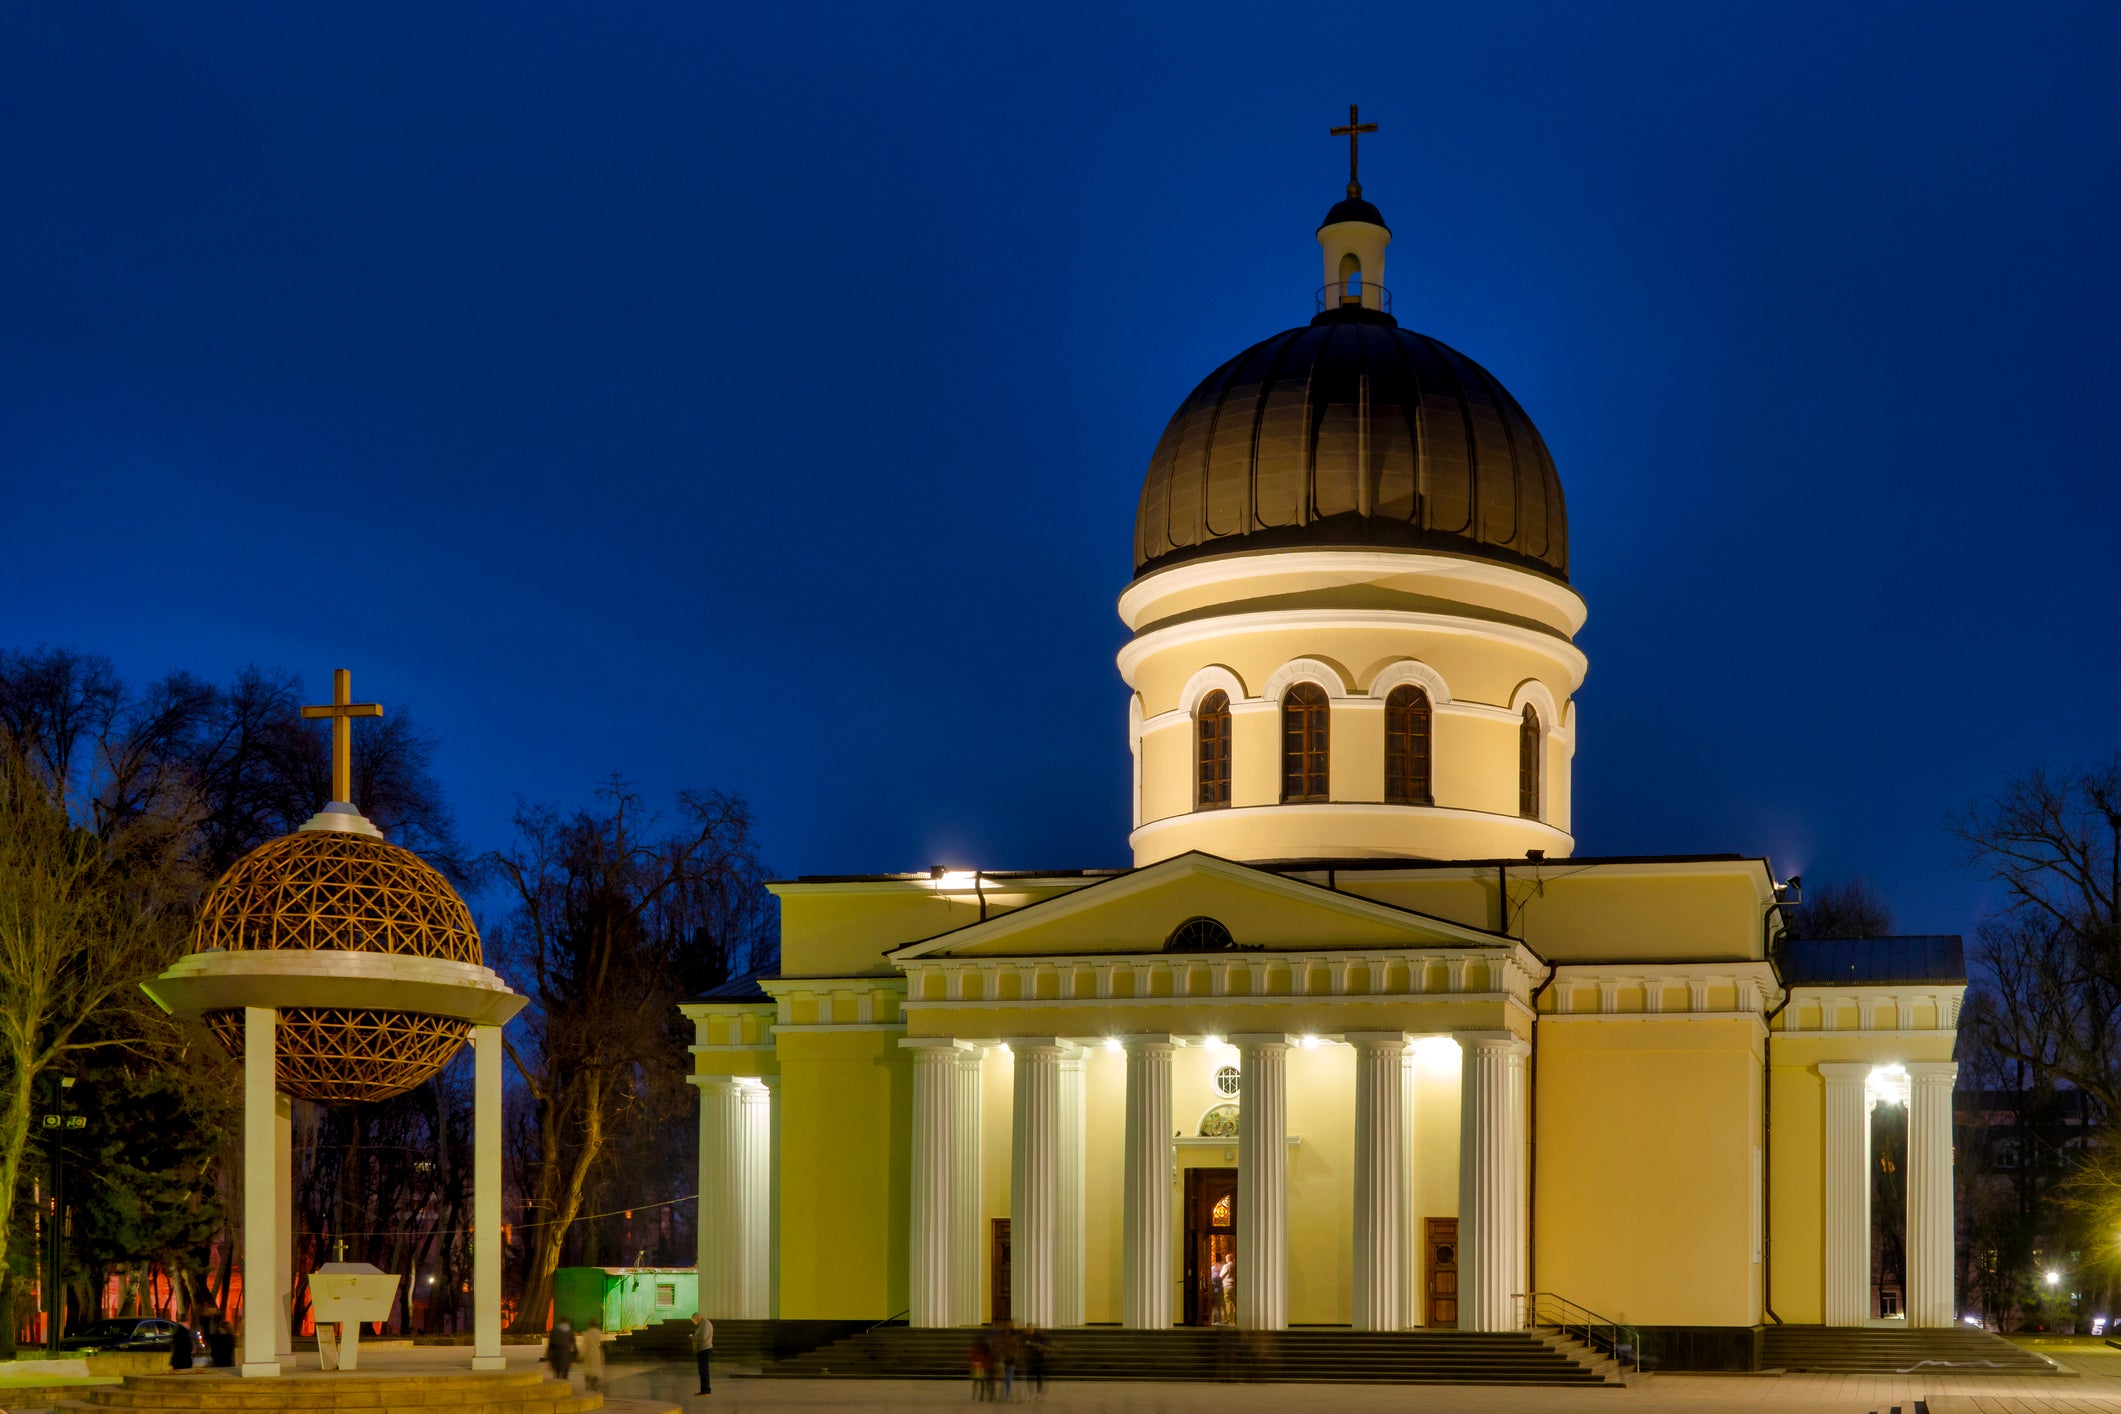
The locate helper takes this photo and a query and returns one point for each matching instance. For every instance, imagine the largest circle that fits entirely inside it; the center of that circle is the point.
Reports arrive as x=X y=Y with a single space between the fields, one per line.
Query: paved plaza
x=2095 y=1388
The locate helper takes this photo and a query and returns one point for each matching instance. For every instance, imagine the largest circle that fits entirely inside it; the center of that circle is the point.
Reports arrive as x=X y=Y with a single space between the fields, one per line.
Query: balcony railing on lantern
x=1349 y=294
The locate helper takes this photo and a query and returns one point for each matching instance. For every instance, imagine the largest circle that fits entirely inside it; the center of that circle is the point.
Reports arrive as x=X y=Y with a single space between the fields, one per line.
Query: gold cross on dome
x=342 y=709
x=1353 y=133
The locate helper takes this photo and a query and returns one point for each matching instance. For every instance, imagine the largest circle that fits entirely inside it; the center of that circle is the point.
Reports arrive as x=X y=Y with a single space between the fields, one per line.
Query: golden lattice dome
x=340 y=889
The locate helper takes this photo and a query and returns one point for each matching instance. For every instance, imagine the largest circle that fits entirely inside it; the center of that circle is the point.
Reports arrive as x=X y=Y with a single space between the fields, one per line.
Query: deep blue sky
x=757 y=396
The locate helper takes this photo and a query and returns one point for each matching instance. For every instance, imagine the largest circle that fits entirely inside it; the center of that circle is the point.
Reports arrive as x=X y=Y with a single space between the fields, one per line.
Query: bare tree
x=614 y=921
x=1843 y=908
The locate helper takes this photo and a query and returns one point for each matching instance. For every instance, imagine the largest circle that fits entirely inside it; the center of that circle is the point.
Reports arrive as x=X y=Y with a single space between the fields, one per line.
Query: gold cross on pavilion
x=1353 y=133
x=342 y=709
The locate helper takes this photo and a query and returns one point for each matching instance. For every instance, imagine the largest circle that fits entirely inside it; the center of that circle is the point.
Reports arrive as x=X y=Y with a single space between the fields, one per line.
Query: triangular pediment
x=1138 y=911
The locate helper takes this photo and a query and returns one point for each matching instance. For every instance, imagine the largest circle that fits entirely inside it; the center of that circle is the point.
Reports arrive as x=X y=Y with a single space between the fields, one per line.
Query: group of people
x=218 y=1334
x=565 y=1347
x=1006 y=1354
x=1222 y=1291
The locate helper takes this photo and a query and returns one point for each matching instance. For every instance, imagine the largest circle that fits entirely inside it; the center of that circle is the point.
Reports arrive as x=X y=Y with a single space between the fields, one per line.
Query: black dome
x=1353 y=209
x=1352 y=432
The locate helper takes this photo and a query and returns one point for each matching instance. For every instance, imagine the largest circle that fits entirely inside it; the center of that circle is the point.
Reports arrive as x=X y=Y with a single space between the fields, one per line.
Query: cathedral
x=1359 y=1040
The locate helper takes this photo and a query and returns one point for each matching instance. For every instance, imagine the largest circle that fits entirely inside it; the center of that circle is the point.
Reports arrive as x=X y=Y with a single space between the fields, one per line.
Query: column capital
x=1037 y=1045
x=1845 y=1071
x=1947 y=1071
x=714 y=1082
x=934 y=1043
x=1377 y=1040
x=1262 y=1040
x=1492 y=1041
x=1148 y=1041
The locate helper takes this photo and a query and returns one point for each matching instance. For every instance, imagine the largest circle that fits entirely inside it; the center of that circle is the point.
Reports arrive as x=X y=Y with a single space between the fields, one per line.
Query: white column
x=1070 y=1235
x=261 y=1197
x=754 y=1214
x=932 y=1268
x=1145 y=1212
x=965 y=1189
x=283 y=1165
x=1490 y=1208
x=1034 y=1180
x=1380 y=1180
x=1847 y=1190
x=1932 y=1264
x=721 y=1246
x=486 y=1199
x=1409 y=1268
x=1262 y=1183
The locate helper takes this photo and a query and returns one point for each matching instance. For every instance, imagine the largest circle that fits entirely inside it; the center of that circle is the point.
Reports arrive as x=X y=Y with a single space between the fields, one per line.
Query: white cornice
x=1356 y=567
x=1553 y=647
x=1560 y=840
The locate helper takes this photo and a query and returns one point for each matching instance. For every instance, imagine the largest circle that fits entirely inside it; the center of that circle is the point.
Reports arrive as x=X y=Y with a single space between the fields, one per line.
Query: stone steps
x=1204 y=1355
x=1956 y=1350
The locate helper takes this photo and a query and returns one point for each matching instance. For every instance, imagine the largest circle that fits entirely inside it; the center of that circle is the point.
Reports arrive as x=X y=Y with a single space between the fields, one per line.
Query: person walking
x=560 y=1348
x=703 y=1348
x=592 y=1349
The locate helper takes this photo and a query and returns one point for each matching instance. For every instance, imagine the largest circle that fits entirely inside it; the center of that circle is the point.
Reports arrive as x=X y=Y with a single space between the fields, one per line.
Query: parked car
x=130 y=1333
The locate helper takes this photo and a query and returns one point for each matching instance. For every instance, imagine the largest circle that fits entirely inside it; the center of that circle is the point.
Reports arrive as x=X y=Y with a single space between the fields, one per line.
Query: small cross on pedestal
x=342 y=709
x=1353 y=133
x=338 y=1250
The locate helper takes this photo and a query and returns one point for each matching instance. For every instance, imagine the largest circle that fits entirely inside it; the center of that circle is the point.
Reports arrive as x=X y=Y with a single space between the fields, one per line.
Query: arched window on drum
x=1528 y=753
x=1304 y=725
x=1409 y=752
x=1211 y=753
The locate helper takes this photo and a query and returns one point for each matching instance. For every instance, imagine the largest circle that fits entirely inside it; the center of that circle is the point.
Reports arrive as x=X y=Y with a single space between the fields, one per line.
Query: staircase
x=738 y=1344
x=1866 y=1350
x=1204 y=1354
x=205 y=1391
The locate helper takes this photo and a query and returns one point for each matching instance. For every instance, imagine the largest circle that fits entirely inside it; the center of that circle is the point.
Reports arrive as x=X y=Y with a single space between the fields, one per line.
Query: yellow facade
x=1371 y=925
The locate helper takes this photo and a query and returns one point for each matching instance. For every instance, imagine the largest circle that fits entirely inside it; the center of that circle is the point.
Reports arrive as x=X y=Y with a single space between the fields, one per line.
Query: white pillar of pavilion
x=1262 y=1182
x=486 y=1199
x=1034 y=1180
x=262 y=1181
x=283 y=1165
x=1145 y=1215
x=1847 y=1190
x=1931 y=1260
x=1380 y=1180
x=1491 y=1228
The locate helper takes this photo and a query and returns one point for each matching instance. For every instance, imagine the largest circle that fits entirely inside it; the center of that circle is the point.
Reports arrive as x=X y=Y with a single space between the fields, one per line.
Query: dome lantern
x=1353 y=238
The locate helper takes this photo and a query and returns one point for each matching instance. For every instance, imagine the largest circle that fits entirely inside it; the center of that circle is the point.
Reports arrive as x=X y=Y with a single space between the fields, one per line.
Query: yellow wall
x=846 y=1126
x=1647 y=1132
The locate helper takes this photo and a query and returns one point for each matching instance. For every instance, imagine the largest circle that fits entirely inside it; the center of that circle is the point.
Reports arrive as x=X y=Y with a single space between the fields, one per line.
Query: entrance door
x=1441 y=1263
x=1211 y=1247
x=998 y=1273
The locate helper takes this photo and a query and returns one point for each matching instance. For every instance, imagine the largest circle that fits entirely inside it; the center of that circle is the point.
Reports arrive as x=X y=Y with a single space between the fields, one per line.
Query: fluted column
x=1490 y=1207
x=721 y=1226
x=1262 y=1183
x=772 y=1084
x=1070 y=1234
x=754 y=1210
x=1846 y=1185
x=1932 y=1264
x=965 y=1190
x=1034 y=1180
x=1145 y=1215
x=932 y=1269
x=1380 y=1164
x=1409 y=1268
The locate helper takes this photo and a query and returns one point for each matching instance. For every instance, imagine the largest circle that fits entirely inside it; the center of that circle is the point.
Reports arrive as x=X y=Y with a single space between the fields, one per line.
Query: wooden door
x=1440 y=1261
x=998 y=1273
x=1211 y=1246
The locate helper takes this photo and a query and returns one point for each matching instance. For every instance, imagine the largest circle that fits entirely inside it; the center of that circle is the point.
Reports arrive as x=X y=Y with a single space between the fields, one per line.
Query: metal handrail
x=1623 y=1343
x=1343 y=294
